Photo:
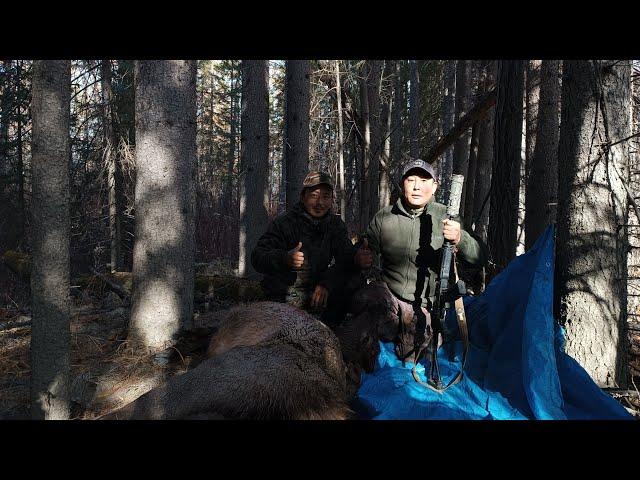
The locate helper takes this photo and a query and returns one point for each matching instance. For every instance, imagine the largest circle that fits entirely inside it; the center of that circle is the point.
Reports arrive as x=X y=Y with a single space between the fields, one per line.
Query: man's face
x=418 y=188
x=317 y=200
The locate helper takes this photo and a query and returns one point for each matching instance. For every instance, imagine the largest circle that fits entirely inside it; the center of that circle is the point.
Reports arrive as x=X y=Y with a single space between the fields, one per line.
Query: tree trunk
x=254 y=160
x=123 y=110
x=592 y=243
x=470 y=180
x=482 y=184
x=229 y=191
x=19 y=149
x=532 y=95
x=296 y=127
x=365 y=173
x=343 y=193
x=398 y=113
x=164 y=251
x=448 y=118
x=353 y=200
x=531 y=102
x=5 y=97
x=473 y=94
x=376 y=126
x=414 y=110
x=50 y=334
x=505 y=177
x=542 y=185
x=110 y=144
x=461 y=147
x=385 y=133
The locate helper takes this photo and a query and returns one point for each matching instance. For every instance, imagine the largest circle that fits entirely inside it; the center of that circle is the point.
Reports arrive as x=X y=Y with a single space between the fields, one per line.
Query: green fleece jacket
x=410 y=248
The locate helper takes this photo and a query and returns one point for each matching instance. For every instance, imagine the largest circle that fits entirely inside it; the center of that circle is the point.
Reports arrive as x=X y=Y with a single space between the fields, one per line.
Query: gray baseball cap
x=422 y=165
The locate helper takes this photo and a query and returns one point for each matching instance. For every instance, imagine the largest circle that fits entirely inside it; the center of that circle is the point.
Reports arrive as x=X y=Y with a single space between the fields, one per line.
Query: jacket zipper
x=408 y=254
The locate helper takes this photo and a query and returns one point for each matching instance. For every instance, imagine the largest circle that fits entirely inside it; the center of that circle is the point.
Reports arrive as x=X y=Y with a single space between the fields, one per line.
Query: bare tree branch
x=476 y=113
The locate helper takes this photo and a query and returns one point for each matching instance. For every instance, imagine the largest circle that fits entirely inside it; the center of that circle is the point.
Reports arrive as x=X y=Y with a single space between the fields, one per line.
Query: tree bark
x=384 y=190
x=448 y=119
x=342 y=192
x=482 y=184
x=19 y=149
x=230 y=186
x=254 y=160
x=414 y=110
x=591 y=247
x=50 y=334
x=375 y=122
x=542 y=185
x=123 y=110
x=461 y=146
x=164 y=250
x=365 y=163
x=398 y=113
x=532 y=95
x=470 y=179
x=5 y=97
x=110 y=145
x=296 y=129
x=505 y=177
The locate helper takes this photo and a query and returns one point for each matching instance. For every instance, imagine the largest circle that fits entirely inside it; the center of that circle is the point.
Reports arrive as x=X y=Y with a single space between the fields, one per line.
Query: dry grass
x=119 y=373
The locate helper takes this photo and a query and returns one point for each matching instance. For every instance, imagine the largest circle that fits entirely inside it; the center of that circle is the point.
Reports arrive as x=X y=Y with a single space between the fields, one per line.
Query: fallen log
x=120 y=290
x=621 y=393
x=231 y=288
x=22 y=321
x=220 y=286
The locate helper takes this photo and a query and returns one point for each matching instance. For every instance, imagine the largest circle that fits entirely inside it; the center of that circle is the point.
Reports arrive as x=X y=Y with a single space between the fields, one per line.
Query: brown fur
x=378 y=312
x=251 y=324
x=268 y=361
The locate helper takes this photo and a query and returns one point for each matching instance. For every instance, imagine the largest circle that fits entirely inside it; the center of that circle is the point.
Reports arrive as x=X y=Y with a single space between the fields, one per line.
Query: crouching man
x=306 y=256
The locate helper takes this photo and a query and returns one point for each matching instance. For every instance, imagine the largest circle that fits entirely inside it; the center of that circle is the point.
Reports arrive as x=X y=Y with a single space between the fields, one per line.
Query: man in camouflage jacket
x=306 y=256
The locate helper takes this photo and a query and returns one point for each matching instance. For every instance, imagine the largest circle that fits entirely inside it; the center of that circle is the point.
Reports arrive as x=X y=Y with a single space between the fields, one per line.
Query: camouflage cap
x=314 y=179
x=418 y=163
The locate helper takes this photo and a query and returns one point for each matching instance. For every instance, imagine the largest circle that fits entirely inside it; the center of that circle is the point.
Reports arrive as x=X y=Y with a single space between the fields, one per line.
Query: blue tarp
x=515 y=368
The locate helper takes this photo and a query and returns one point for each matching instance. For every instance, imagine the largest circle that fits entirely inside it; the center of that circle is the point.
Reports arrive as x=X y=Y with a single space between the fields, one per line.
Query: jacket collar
x=299 y=210
x=427 y=208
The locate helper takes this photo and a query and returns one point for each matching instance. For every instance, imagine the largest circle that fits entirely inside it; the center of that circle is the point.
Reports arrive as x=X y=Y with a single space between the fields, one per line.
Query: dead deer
x=267 y=361
x=376 y=314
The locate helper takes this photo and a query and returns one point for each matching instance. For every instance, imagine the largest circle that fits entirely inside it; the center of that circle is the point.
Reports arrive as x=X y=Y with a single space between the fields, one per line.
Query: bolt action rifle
x=448 y=293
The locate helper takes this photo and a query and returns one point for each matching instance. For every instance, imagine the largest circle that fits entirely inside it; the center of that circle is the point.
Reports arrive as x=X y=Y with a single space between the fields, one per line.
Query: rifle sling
x=464 y=334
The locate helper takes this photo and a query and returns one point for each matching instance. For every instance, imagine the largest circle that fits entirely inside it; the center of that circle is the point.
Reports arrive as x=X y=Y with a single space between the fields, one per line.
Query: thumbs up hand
x=295 y=258
x=364 y=256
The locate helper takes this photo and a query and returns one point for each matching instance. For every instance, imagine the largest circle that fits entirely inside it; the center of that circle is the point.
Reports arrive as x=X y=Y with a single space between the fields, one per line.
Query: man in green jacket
x=306 y=255
x=409 y=235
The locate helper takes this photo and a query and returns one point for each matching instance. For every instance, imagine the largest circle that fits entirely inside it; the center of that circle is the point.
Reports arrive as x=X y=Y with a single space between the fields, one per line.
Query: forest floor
x=106 y=372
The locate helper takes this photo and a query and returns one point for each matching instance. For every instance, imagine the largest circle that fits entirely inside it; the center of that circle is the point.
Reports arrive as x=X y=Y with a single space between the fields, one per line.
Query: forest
x=132 y=193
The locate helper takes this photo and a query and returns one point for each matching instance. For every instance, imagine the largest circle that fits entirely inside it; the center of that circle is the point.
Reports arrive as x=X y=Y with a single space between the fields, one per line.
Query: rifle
x=446 y=295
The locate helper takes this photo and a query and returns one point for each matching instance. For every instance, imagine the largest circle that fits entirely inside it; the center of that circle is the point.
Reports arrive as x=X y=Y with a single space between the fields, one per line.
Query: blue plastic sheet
x=515 y=369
